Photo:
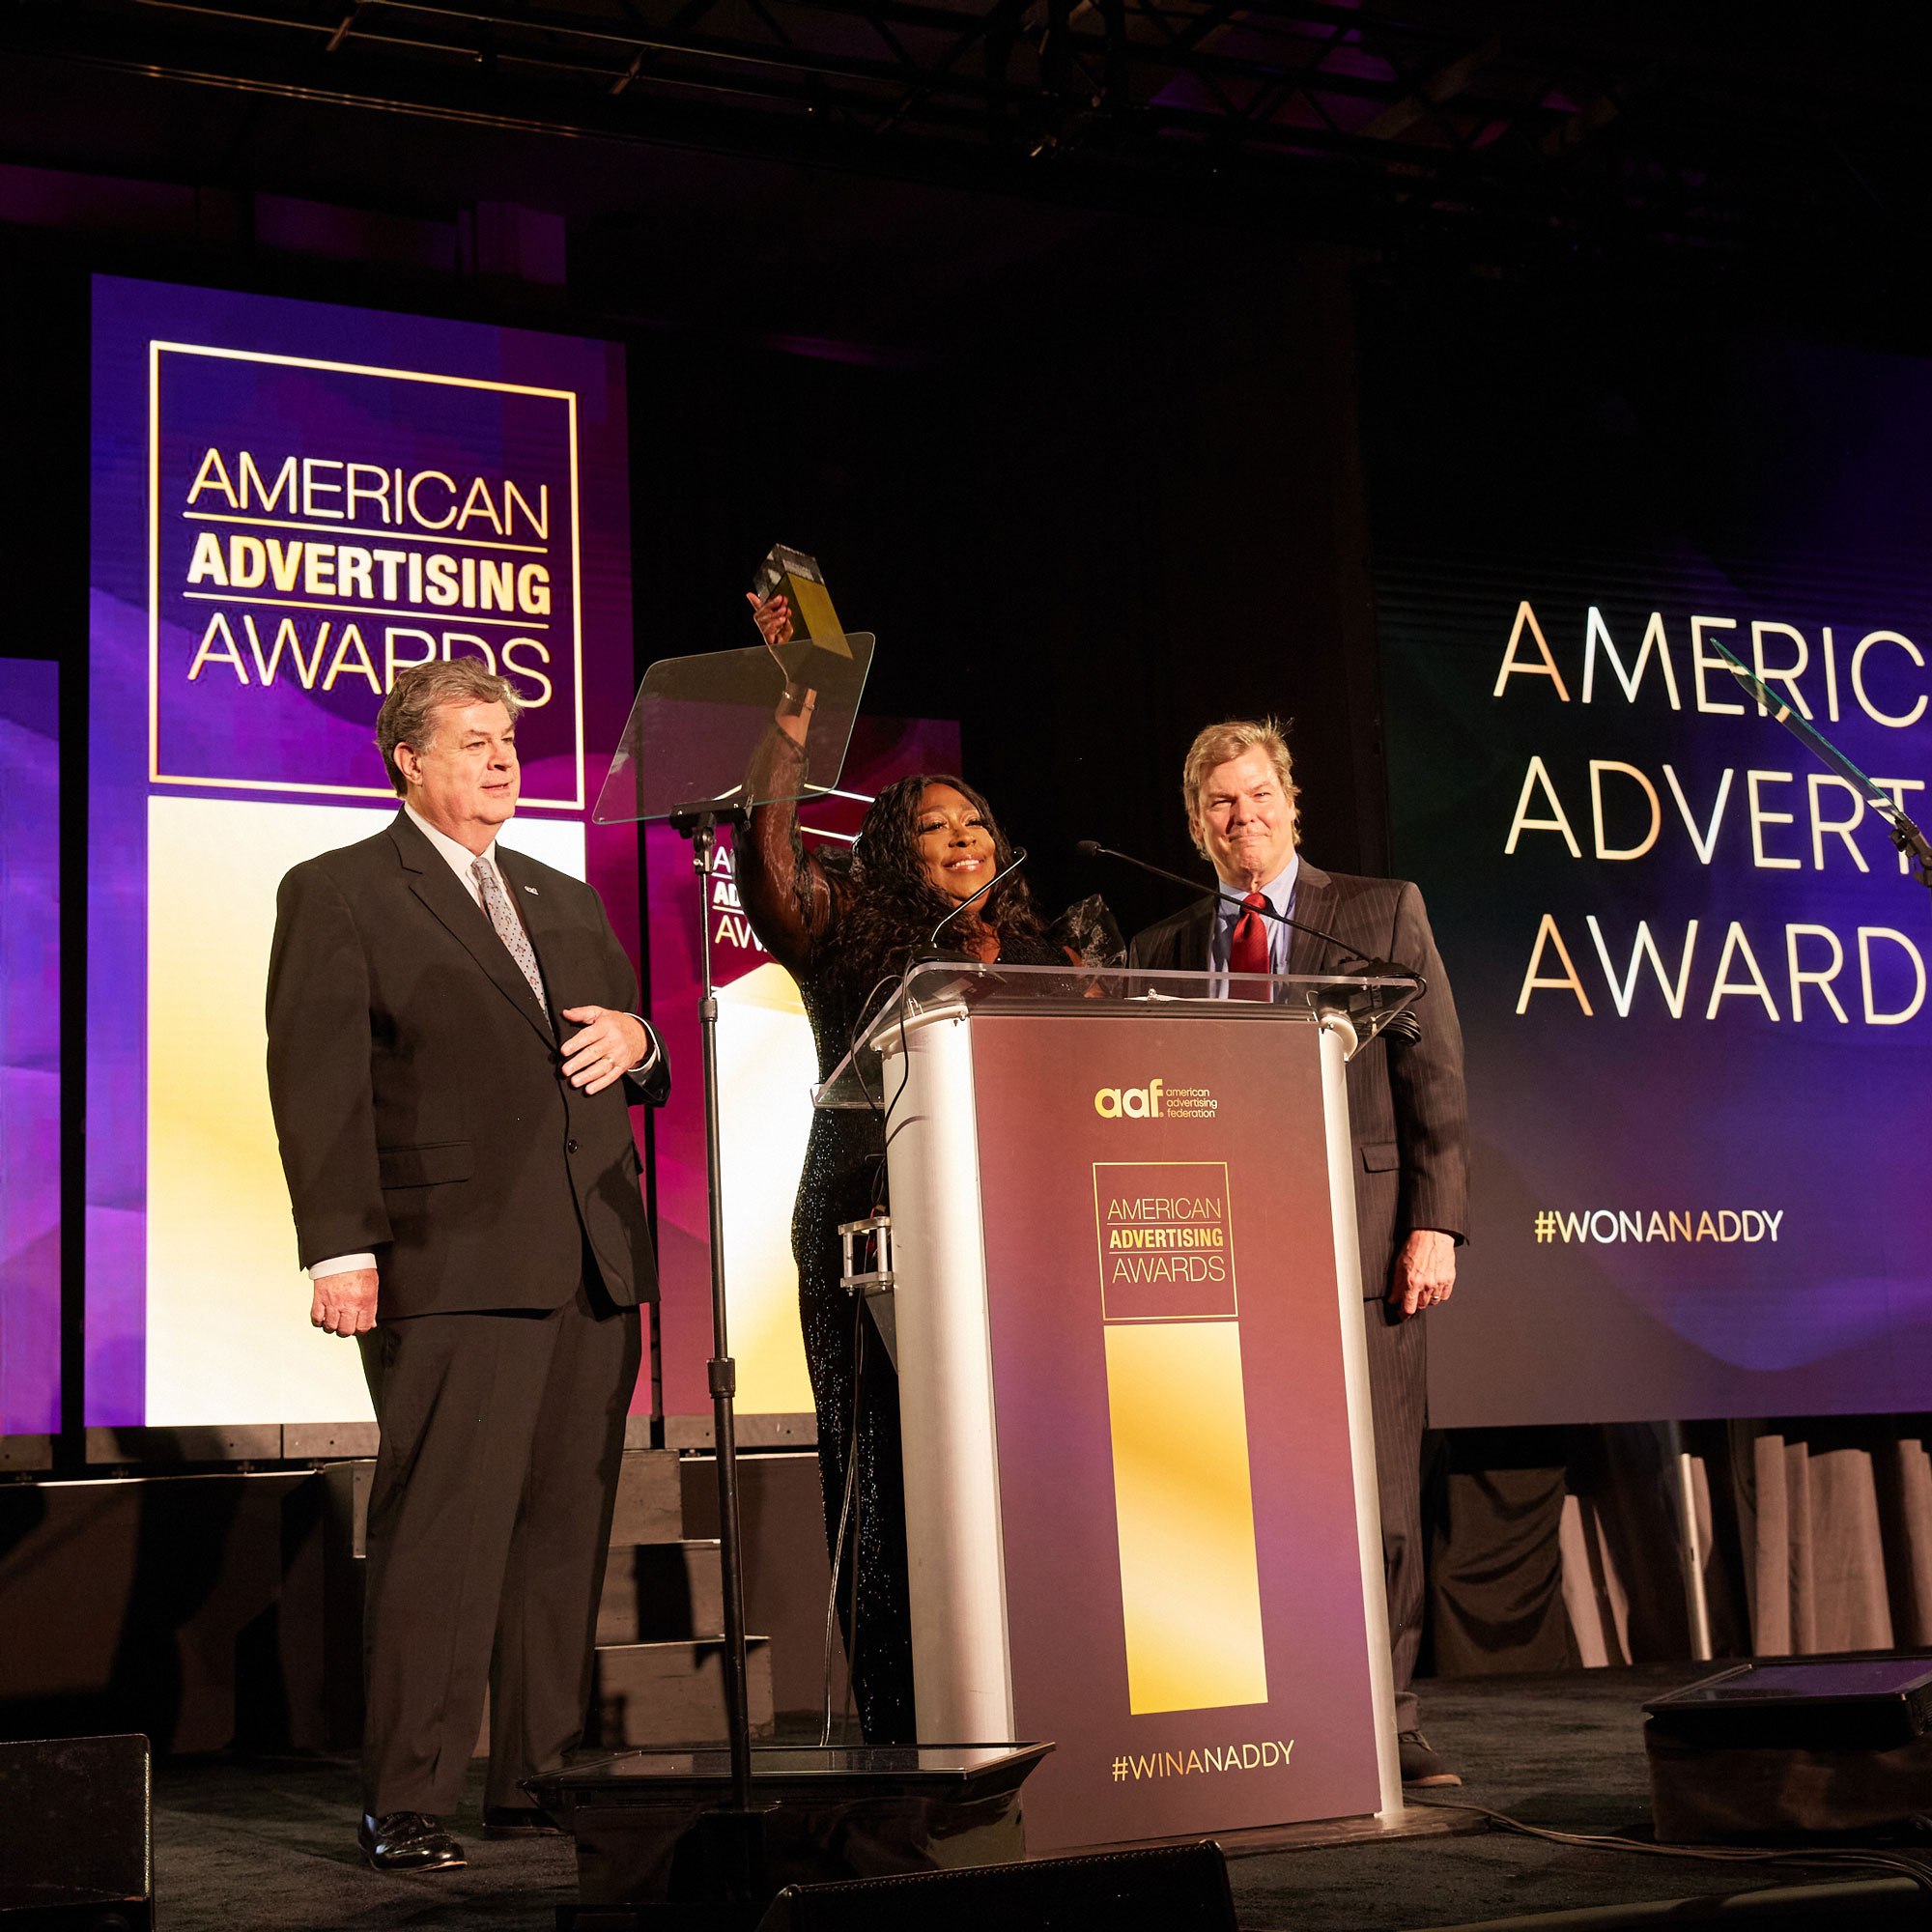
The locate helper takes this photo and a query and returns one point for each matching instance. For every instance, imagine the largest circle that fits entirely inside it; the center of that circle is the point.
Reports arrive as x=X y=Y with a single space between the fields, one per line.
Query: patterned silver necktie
x=509 y=927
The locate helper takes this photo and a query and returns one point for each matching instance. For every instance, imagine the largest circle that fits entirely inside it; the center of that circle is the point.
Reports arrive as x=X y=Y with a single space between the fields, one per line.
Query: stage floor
x=270 y=1844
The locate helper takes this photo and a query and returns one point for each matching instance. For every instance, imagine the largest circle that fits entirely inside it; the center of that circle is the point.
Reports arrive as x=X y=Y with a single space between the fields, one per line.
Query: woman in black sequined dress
x=927 y=845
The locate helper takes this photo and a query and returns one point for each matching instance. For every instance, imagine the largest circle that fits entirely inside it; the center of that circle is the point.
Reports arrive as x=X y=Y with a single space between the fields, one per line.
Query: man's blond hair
x=1234 y=738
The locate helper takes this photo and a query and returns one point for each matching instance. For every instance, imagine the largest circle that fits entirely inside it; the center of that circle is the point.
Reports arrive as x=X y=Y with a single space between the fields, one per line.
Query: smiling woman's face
x=954 y=842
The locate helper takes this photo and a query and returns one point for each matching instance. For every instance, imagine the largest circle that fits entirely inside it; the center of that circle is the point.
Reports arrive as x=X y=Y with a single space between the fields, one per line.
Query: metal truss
x=1342 y=119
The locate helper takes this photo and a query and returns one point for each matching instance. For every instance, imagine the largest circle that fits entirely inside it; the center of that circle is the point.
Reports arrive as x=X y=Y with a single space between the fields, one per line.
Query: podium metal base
x=1412 y=1821
x=655 y=1830
x=1374 y=1827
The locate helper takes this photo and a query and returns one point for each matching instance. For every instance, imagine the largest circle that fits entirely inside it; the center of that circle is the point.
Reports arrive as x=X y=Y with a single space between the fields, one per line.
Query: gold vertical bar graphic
x=1189 y=1585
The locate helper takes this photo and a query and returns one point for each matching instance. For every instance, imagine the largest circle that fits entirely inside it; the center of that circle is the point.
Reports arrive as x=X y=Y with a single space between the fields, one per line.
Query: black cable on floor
x=1915 y=1866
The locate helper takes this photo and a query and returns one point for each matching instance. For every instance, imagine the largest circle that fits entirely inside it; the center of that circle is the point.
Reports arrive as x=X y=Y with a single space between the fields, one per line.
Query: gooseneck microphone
x=1018 y=860
x=1404 y=1026
x=1091 y=848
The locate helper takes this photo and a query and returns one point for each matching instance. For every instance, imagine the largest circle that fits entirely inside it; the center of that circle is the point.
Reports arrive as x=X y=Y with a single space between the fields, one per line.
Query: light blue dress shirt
x=1279 y=892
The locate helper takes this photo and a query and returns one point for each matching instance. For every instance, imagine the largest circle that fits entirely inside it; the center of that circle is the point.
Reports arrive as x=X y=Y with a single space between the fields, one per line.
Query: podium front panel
x=1158 y=1420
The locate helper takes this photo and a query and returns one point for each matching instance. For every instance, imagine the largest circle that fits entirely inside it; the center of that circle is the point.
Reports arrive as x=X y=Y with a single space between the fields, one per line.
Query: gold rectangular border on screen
x=155 y=350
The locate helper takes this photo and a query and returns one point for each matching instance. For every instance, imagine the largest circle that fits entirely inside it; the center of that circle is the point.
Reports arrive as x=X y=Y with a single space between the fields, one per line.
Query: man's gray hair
x=407 y=716
x=1231 y=739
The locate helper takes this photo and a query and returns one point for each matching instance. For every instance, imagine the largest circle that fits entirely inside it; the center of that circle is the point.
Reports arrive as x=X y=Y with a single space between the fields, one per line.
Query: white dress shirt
x=459 y=858
x=461 y=861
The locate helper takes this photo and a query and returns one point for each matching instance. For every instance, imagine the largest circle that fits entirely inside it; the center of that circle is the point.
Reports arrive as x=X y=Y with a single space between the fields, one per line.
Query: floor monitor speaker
x=75 y=1847
x=1794 y=1747
x=1164 y=1889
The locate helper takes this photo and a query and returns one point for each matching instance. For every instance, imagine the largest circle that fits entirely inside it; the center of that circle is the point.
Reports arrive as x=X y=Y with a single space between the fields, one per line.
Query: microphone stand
x=737 y=1834
x=1905 y=835
x=932 y=949
x=1371 y=967
x=1401 y=1025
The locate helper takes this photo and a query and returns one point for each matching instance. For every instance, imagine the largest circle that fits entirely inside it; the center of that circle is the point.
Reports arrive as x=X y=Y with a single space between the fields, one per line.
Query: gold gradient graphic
x=1190 y=1589
x=766 y=1067
x=229 y=1339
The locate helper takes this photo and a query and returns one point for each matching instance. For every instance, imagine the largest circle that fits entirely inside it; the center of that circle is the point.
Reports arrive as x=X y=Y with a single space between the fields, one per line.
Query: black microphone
x=1018 y=860
x=1404 y=1026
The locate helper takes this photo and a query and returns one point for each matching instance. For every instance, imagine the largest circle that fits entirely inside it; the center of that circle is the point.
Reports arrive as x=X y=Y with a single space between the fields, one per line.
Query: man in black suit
x=1407 y=1118
x=451 y=1054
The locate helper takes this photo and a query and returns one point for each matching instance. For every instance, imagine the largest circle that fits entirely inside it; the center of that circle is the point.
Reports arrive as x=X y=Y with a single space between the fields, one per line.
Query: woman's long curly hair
x=894 y=904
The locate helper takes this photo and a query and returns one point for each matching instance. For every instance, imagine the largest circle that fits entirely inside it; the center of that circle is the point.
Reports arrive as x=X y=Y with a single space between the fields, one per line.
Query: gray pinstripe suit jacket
x=1408 y=1115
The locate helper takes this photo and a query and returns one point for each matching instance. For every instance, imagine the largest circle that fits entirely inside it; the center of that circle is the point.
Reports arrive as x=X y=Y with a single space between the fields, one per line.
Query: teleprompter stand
x=696 y=1835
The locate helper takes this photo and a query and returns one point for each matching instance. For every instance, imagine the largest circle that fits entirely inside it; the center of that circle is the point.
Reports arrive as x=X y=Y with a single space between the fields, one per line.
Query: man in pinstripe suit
x=1408 y=1120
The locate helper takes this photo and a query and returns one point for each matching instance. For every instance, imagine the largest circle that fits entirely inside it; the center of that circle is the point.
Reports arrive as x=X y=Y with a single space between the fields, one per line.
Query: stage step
x=673 y=1693
x=662 y=1592
x=650 y=1499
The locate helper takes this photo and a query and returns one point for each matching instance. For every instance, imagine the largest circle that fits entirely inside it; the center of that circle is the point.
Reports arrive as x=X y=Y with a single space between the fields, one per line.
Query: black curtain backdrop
x=1084 y=544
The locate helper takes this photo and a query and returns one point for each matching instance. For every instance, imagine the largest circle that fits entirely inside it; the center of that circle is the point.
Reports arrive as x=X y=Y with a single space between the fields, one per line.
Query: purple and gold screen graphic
x=291 y=503
x=1182 y=1566
x=767 y=1068
x=1689 y=969
x=30 y=1014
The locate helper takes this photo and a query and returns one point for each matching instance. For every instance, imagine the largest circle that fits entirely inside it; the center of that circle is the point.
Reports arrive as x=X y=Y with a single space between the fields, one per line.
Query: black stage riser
x=75 y=1835
x=131 y=1915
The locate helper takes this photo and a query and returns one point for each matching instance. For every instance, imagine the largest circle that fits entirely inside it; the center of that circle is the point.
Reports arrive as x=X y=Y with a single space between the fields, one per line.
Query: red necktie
x=1248 y=947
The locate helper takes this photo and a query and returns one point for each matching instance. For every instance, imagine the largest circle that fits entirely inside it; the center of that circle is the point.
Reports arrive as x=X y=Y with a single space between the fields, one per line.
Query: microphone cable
x=1909 y=1863
x=1006 y=870
x=838 y=1541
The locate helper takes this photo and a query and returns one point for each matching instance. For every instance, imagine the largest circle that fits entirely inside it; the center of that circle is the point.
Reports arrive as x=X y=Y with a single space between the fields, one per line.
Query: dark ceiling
x=962 y=139
x=1118 y=240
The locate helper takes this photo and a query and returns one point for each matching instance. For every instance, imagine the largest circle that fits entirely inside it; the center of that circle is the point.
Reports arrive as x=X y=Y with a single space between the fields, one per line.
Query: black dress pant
x=1399 y=1403
x=488 y=1521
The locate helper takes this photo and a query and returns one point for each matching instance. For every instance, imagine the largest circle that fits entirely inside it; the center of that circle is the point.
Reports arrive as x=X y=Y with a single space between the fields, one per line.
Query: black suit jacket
x=419 y=1093
x=1408 y=1116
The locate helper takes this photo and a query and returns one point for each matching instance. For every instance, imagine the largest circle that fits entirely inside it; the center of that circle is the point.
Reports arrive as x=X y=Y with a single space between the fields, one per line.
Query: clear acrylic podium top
x=1356 y=1007
x=698 y=719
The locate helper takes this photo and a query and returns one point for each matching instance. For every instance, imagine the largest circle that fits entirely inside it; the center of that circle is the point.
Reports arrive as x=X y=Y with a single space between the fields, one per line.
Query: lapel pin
x=532 y=890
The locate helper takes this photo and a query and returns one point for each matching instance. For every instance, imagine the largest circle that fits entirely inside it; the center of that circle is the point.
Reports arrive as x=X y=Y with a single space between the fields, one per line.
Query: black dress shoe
x=408 y=1841
x=519 y=1820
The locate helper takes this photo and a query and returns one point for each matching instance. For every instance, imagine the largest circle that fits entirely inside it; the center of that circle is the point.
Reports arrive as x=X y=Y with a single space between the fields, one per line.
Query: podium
x=1129 y=1322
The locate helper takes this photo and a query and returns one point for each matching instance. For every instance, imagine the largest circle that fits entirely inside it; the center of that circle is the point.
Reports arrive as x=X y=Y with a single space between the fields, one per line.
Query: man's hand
x=1424 y=1272
x=345 y=1304
x=609 y=1045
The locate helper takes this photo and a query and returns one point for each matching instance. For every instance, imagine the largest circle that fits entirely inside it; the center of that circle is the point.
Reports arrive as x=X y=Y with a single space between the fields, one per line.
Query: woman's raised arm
x=783 y=889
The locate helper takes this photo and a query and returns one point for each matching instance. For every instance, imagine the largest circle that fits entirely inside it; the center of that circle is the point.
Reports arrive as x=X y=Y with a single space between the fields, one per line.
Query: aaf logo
x=1136 y=1103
